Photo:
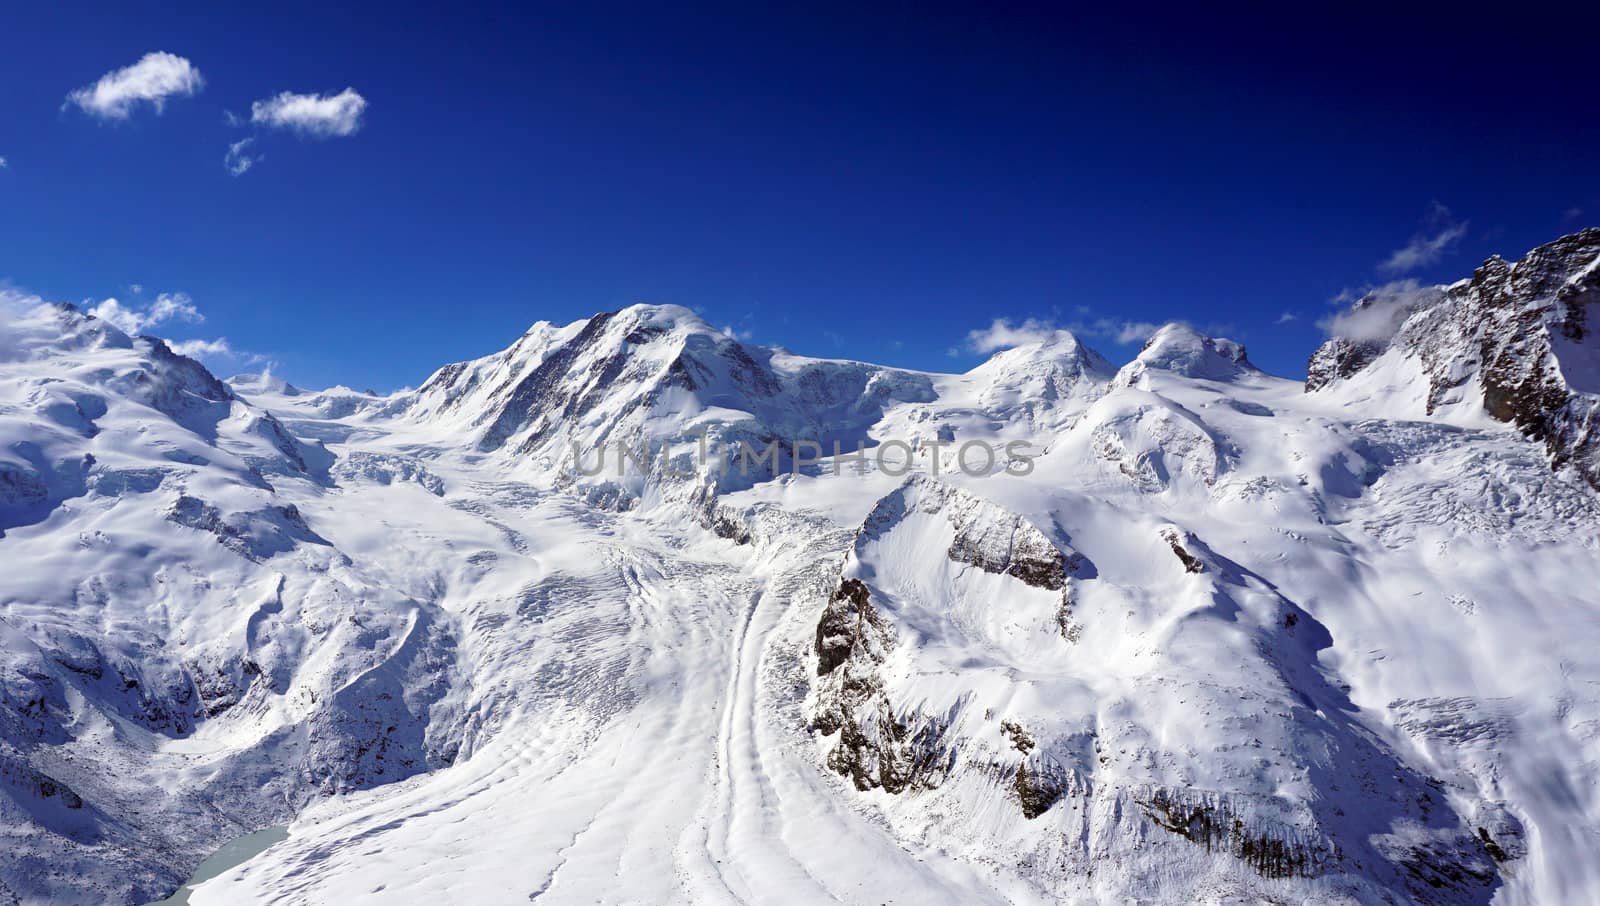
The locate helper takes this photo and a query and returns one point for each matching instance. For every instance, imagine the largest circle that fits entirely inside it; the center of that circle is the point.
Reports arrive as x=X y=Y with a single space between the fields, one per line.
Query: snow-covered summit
x=1181 y=350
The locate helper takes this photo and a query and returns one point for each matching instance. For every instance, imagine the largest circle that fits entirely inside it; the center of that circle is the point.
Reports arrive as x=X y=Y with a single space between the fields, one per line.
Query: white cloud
x=210 y=348
x=218 y=351
x=156 y=77
x=1128 y=331
x=1379 y=311
x=1426 y=247
x=131 y=320
x=734 y=334
x=1287 y=316
x=1002 y=334
x=1569 y=215
x=237 y=160
x=311 y=114
x=3 y=163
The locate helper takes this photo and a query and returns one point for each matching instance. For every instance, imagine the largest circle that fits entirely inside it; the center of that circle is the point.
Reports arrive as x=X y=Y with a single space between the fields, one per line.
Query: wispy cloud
x=1124 y=332
x=733 y=333
x=1567 y=216
x=136 y=320
x=193 y=348
x=172 y=308
x=3 y=163
x=1378 y=311
x=238 y=160
x=1286 y=317
x=218 y=350
x=322 y=116
x=156 y=77
x=1442 y=233
x=1003 y=333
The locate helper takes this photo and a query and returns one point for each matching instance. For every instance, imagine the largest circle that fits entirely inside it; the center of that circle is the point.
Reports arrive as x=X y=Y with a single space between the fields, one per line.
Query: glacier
x=1230 y=638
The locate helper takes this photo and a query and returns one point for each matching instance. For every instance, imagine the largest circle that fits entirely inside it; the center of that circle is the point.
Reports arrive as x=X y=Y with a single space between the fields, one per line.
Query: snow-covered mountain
x=1514 y=341
x=1206 y=635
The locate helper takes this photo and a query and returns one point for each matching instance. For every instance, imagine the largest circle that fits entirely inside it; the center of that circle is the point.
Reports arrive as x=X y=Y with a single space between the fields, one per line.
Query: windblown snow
x=1208 y=635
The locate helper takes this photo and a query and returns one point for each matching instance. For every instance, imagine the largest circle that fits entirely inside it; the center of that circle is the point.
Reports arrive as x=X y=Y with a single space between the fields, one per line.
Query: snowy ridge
x=1224 y=640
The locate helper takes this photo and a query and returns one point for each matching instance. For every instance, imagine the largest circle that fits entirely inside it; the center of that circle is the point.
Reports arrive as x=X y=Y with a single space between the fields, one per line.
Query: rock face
x=1516 y=340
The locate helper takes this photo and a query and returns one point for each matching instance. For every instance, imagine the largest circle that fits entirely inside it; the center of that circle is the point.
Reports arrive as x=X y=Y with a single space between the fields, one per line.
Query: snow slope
x=1223 y=640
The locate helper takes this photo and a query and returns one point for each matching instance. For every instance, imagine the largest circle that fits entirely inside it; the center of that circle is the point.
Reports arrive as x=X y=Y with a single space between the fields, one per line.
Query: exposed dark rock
x=1191 y=563
x=878 y=747
x=1495 y=851
x=1071 y=630
x=1021 y=740
x=1337 y=359
x=1443 y=869
x=848 y=616
x=1518 y=333
x=1036 y=791
x=1271 y=852
x=891 y=753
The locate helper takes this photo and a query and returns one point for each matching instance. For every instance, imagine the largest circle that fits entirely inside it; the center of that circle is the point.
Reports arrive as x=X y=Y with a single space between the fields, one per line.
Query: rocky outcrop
x=1516 y=339
x=849 y=626
x=1338 y=359
x=877 y=747
x=881 y=743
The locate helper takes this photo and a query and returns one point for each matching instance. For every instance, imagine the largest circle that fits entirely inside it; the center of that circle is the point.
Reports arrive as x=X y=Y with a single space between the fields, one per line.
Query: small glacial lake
x=234 y=852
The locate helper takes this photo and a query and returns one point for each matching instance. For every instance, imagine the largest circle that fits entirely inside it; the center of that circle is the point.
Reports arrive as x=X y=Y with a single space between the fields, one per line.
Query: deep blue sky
x=869 y=184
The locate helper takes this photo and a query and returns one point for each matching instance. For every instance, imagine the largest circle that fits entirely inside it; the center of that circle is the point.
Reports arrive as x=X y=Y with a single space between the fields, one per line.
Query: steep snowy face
x=1044 y=382
x=1516 y=341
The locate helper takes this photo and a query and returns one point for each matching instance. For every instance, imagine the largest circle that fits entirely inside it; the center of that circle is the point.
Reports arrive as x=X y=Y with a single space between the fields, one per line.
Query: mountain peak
x=663 y=318
x=1180 y=349
x=1059 y=346
x=1040 y=374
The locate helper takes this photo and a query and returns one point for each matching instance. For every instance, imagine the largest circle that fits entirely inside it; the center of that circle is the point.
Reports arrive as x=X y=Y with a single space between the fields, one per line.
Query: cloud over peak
x=134 y=321
x=156 y=77
x=1002 y=334
x=322 y=116
x=1379 y=311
